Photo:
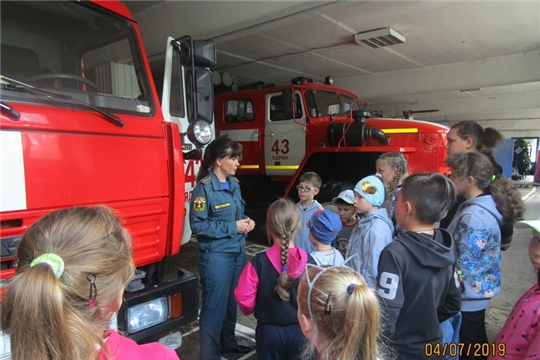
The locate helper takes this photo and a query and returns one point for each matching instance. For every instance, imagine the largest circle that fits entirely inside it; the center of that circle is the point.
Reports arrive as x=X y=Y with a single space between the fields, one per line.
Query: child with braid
x=393 y=169
x=72 y=267
x=268 y=284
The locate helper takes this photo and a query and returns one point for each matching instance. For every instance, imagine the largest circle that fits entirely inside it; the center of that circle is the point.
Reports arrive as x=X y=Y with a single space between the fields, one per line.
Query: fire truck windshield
x=73 y=49
x=331 y=103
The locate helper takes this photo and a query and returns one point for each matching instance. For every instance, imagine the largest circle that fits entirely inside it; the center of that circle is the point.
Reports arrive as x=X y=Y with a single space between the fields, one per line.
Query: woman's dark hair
x=431 y=194
x=492 y=138
x=218 y=149
x=487 y=138
x=504 y=192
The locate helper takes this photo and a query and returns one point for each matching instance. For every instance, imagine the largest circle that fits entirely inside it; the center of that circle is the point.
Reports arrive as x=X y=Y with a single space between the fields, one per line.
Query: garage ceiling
x=476 y=60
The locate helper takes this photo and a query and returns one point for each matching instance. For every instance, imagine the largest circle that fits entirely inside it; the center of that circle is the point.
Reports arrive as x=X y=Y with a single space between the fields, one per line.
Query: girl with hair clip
x=217 y=216
x=268 y=284
x=339 y=314
x=490 y=200
x=393 y=169
x=72 y=267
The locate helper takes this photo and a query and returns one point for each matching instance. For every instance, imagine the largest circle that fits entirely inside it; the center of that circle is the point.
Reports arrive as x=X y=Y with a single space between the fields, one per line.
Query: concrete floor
x=517 y=271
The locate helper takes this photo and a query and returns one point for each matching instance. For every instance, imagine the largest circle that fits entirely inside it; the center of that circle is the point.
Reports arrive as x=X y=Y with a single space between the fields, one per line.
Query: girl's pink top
x=519 y=337
x=246 y=291
x=123 y=348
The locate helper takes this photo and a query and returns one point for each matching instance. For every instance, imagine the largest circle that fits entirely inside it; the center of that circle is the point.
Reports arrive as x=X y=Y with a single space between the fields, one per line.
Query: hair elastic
x=54 y=261
x=283 y=268
x=493 y=177
x=351 y=288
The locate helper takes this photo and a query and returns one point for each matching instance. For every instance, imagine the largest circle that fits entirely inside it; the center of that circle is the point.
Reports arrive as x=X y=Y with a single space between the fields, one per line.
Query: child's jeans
x=450 y=329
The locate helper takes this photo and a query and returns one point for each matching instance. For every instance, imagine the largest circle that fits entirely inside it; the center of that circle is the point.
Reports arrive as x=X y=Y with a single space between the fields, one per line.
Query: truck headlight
x=200 y=132
x=147 y=314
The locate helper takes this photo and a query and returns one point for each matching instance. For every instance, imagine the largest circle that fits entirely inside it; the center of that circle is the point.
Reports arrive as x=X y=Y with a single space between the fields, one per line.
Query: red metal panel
x=74 y=157
x=177 y=187
x=146 y=220
x=115 y=6
x=63 y=169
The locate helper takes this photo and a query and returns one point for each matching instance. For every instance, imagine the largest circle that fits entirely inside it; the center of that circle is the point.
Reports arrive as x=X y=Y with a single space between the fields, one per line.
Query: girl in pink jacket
x=268 y=286
x=519 y=337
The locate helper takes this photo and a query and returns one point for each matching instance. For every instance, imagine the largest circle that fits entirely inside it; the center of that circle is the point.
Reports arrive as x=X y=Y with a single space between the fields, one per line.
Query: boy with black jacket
x=416 y=274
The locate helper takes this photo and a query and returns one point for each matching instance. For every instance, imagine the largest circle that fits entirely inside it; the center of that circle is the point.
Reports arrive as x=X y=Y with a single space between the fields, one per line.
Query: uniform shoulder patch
x=199 y=204
x=206 y=180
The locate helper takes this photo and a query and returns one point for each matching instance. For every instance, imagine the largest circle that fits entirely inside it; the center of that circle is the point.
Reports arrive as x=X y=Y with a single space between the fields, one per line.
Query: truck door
x=284 y=138
x=243 y=126
x=187 y=101
x=173 y=104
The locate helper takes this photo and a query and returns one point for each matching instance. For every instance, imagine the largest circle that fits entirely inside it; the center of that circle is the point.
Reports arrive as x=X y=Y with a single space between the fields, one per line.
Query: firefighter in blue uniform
x=217 y=217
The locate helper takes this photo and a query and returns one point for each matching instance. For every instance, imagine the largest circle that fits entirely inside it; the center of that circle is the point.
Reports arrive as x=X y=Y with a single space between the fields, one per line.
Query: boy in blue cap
x=324 y=227
x=374 y=230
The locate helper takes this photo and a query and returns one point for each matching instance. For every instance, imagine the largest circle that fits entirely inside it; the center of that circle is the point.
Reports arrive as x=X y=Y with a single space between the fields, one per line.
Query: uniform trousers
x=219 y=273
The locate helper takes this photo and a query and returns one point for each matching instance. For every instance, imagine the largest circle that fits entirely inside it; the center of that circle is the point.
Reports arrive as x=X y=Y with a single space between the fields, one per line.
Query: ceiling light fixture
x=378 y=38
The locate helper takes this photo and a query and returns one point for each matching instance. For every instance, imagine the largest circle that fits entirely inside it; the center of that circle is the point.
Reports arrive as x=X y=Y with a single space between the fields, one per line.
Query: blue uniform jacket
x=214 y=212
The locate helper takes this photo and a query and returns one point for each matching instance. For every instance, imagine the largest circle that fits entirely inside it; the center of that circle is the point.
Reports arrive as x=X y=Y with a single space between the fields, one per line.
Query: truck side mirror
x=287 y=103
x=205 y=95
x=197 y=56
x=204 y=52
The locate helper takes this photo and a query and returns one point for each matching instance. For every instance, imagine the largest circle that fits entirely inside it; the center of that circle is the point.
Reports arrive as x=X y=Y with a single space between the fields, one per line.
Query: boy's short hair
x=311 y=177
x=431 y=194
x=325 y=226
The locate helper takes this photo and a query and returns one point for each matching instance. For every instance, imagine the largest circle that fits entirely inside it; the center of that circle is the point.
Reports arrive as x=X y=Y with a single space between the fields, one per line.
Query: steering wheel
x=64 y=76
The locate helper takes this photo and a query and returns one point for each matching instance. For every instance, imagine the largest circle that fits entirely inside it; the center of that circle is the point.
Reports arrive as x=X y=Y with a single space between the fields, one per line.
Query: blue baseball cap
x=371 y=188
x=325 y=226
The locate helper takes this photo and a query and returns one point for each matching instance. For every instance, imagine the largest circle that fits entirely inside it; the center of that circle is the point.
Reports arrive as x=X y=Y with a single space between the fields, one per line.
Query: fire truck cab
x=308 y=126
x=81 y=124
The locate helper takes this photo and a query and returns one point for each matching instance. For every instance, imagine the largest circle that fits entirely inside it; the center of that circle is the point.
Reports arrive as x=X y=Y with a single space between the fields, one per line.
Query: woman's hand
x=245 y=225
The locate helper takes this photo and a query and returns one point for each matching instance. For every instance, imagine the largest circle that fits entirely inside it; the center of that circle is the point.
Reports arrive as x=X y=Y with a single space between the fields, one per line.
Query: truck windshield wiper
x=17 y=85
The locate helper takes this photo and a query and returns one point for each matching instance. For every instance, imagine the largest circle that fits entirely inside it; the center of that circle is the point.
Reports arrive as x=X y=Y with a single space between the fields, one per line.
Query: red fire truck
x=308 y=126
x=81 y=124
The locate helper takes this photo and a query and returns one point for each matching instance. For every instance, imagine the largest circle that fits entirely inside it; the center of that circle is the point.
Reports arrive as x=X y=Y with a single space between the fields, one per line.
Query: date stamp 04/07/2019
x=461 y=349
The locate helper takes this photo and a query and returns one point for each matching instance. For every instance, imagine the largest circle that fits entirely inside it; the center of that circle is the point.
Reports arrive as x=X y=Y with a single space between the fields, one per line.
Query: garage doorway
x=518 y=157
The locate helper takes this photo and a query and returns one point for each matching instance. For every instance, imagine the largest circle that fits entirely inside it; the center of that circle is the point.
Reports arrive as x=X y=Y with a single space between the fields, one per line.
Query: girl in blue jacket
x=489 y=200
